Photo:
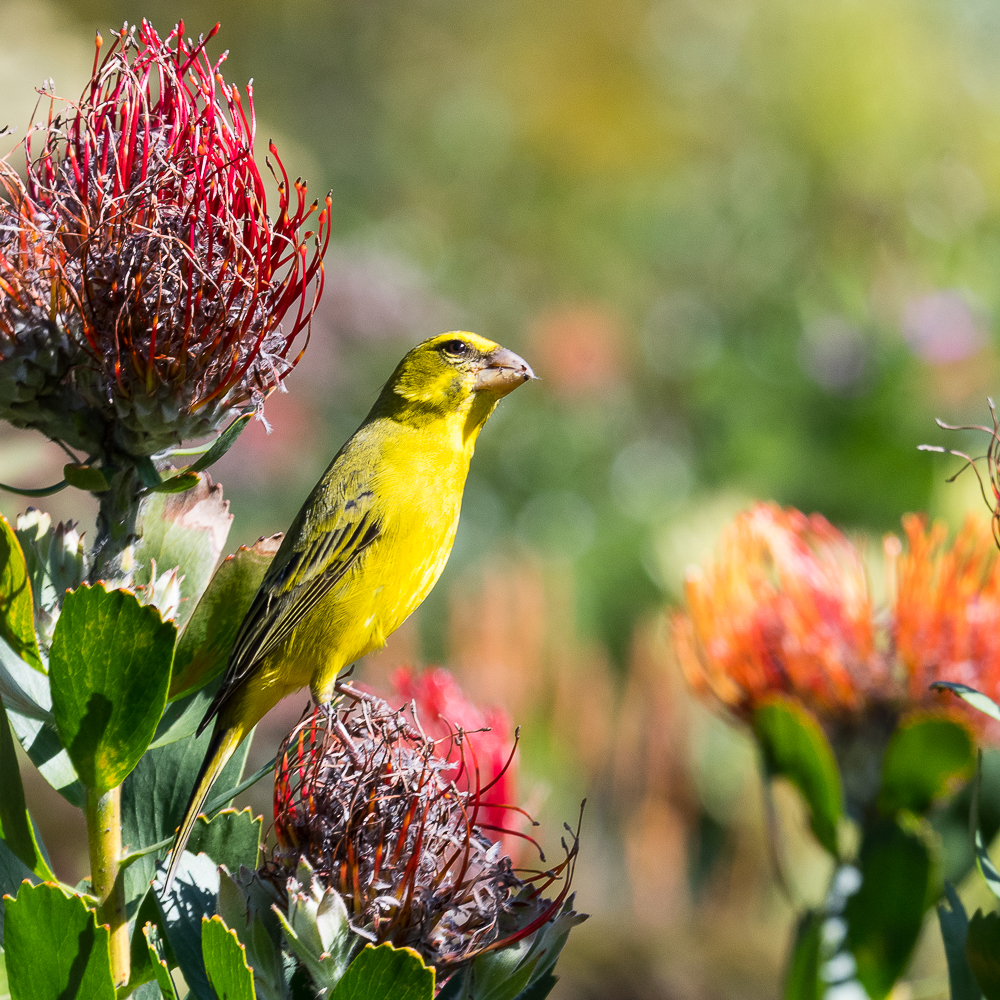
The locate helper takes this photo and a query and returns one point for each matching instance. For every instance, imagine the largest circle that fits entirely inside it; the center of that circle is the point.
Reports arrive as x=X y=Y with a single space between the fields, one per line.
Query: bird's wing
x=335 y=526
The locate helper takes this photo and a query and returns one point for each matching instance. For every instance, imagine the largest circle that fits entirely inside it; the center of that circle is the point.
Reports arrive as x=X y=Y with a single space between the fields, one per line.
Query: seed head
x=377 y=809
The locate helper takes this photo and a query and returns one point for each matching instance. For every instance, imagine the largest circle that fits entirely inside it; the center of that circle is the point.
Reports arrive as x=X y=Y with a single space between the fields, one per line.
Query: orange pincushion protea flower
x=785 y=607
x=947 y=609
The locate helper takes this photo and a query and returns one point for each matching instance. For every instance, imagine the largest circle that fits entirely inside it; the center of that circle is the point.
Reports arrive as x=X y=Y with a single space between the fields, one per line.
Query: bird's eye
x=456 y=348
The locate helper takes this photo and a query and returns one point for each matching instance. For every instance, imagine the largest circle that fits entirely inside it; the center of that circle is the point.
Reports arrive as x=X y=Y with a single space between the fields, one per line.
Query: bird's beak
x=502 y=372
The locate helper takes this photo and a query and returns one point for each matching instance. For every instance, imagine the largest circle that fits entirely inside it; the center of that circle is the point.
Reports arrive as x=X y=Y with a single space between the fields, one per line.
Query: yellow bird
x=368 y=544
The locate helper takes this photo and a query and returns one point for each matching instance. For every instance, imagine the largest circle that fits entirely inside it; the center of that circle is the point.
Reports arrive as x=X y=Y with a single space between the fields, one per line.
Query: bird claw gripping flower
x=143 y=286
x=377 y=810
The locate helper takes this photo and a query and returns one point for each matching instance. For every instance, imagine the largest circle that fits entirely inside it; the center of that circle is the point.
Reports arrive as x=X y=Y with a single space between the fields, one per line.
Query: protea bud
x=144 y=289
x=376 y=808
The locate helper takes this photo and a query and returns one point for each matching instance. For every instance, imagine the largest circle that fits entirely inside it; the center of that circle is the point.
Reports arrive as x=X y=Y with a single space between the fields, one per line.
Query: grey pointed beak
x=503 y=372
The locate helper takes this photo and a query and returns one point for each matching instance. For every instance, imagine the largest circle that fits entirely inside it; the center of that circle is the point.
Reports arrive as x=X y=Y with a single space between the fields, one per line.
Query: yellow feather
x=369 y=543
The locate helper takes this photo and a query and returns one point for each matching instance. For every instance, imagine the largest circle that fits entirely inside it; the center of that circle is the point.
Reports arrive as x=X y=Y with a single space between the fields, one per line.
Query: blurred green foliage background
x=752 y=249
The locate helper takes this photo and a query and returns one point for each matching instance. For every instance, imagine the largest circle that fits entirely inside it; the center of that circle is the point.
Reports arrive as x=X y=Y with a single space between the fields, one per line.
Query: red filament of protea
x=143 y=229
x=378 y=810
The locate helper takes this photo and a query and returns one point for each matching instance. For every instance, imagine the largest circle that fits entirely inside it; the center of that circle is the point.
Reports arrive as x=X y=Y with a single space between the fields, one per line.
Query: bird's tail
x=222 y=746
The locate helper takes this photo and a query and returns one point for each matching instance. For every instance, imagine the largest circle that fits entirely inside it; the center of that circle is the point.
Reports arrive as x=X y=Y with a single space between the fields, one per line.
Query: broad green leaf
x=386 y=973
x=17 y=608
x=230 y=838
x=885 y=915
x=155 y=795
x=225 y=961
x=982 y=948
x=204 y=645
x=16 y=828
x=794 y=746
x=222 y=443
x=191 y=898
x=925 y=757
x=802 y=980
x=954 y=928
x=86 y=477
x=54 y=947
x=188 y=530
x=4 y=988
x=110 y=670
x=976 y=699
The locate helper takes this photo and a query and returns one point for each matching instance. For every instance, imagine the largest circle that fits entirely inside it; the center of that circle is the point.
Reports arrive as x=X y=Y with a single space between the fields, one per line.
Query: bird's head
x=455 y=374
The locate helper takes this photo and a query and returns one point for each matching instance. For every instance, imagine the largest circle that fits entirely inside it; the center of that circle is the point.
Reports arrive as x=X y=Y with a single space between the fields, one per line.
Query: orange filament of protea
x=784 y=607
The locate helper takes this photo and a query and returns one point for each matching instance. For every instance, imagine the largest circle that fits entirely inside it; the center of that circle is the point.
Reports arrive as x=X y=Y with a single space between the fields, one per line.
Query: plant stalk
x=104 y=833
x=116 y=523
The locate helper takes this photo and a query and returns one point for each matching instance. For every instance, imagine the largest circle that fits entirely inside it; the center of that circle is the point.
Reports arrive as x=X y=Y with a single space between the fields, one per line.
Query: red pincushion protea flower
x=144 y=291
x=443 y=709
x=375 y=806
x=947 y=608
x=785 y=607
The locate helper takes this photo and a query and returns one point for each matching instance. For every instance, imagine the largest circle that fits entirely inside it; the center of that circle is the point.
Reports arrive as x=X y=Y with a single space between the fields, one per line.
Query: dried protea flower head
x=784 y=607
x=145 y=293
x=377 y=809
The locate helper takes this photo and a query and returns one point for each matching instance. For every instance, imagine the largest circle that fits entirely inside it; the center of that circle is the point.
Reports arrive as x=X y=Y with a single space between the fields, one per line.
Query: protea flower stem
x=116 y=521
x=104 y=833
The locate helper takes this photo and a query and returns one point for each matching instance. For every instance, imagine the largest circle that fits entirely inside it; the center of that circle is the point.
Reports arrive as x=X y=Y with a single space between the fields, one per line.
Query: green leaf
x=954 y=928
x=86 y=477
x=157 y=952
x=204 y=645
x=225 y=961
x=42 y=491
x=42 y=745
x=885 y=915
x=926 y=755
x=180 y=483
x=155 y=795
x=802 y=980
x=222 y=443
x=13 y=872
x=16 y=827
x=977 y=700
x=245 y=905
x=230 y=838
x=110 y=670
x=17 y=608
x=191 y=898
x=188 y=530
x=983 y=860
x=386 y=973
x=982 y=948
x=794 y=746
x=54 y=947
x=539 y=990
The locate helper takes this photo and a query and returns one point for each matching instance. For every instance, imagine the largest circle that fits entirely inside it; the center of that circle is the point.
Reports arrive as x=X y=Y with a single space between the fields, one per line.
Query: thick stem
x=104 y=832
x=116 y=523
